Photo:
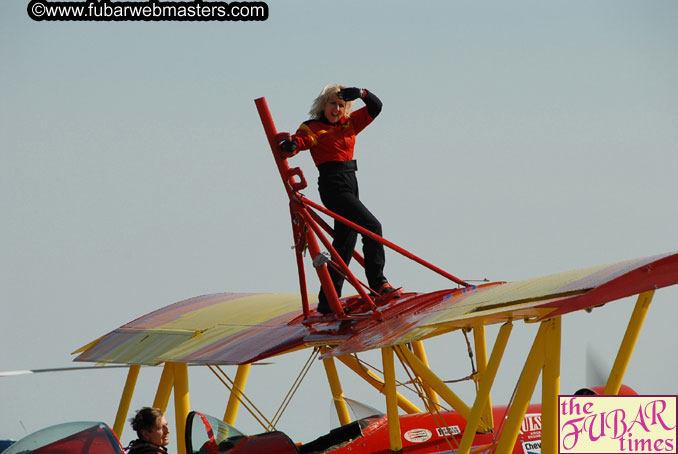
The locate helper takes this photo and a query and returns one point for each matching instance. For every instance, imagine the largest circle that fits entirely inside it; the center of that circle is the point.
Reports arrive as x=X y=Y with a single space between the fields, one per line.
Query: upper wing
x=252 y=325
x=536 y=298
x=232 y=328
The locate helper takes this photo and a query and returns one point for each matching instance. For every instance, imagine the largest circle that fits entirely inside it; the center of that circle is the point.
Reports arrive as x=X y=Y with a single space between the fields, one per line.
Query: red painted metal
x=299 y=245
x=422 y=433
x=293 y=181
x=425 y=433
x=385 y=242
x=308 y=228
x=339 y=261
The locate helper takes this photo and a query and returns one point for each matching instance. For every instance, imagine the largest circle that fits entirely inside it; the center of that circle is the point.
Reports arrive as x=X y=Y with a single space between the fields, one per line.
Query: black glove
x=349 y=94
x=288 y=146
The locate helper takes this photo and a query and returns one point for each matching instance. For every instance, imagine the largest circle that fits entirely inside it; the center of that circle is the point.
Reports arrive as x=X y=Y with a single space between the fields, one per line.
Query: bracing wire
x=295 y=386
x=474 y=371
x=242 y=397
x=430 y=406
x=365 y=366
x=257 y=414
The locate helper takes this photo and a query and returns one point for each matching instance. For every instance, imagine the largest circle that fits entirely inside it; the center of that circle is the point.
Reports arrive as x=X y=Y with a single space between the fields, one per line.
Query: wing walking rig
x=240 y=329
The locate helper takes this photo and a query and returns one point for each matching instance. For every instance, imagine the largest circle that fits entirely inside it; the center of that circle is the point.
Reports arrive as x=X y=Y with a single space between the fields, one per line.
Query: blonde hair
x=318 y=108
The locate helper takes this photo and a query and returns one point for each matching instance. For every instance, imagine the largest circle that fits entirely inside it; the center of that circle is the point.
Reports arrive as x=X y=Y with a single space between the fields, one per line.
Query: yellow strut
x=395 y=440
x=162 y=395
x=481 y=361
x=420 y=352
x=126 y=399
x=485 y=385
x=526 y=384
x=434 y=382
x=551 y=387
x=236 y=393
x=182 y=404
x=628 y=343
x=369 y=376
x=335 y=387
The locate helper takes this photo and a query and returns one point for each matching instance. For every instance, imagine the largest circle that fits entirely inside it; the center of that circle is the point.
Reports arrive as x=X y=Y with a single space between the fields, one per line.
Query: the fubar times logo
x=617 y=424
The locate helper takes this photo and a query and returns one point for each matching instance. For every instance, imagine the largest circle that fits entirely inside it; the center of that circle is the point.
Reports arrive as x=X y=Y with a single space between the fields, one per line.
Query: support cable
x=295 y=386
x=431 y=407
x=257 y=414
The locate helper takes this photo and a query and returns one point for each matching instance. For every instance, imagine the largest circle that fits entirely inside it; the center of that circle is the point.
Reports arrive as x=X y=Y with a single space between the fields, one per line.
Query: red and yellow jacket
x=332 y=142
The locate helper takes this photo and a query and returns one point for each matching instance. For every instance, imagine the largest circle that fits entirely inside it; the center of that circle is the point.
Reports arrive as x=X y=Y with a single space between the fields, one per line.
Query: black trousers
x=338 y=187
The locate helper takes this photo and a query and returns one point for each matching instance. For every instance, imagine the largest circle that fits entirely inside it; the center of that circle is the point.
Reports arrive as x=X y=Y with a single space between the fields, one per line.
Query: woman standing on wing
x=330 y=136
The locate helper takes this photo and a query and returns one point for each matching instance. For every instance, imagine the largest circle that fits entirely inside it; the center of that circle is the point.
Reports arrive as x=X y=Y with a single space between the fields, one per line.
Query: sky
x=517 y=139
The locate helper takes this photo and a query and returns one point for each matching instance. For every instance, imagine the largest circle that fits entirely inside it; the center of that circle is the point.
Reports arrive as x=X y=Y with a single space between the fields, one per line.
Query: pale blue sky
x=517 y=139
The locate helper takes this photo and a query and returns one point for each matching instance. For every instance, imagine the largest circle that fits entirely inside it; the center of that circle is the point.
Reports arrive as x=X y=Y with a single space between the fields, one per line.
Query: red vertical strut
x=293 y=180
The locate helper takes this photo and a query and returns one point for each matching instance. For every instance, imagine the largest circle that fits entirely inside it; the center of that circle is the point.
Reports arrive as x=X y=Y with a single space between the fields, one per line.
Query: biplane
x=236 y=329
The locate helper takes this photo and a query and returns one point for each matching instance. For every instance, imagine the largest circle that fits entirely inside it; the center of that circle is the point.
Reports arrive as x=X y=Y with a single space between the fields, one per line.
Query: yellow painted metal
x=434 y=382
x=236 y=393
x=162 y=395
x=420 y=352
x=369 y=376
x=182 y=404
x=526 y=384
x=628 y=343
x=126 y=399
x=481 y=362
x=551 y=387
x=337 y=392
x=485 y=385
x=394 y=435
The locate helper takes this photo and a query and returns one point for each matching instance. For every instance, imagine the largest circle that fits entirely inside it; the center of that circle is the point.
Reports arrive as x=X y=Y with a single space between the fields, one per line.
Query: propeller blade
x=595 y=368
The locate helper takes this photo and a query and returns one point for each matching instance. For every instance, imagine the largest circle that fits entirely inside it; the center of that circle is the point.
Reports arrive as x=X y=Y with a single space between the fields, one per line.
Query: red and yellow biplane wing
x=236 y=328
x=239 y=329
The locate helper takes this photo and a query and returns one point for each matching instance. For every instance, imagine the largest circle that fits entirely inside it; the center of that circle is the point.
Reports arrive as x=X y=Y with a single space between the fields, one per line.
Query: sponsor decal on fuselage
x=418 y=435
x=531 y=427
x=532 y=447
x=447 y=431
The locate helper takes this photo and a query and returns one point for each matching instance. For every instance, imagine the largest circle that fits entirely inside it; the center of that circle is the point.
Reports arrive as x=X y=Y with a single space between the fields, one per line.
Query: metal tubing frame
x=551 y=387
x=480 y=343
x=526 y=384
x=420 y=352
x=162 y=395
x=485 y=385
x=235 y=398
x=287 y=174
x=324 y=275
x=370 y=377
x=628 y=343
x=126 y=399
x=337 y=391
x=182 y=403
x=385 y=242
x=336 y=257
x=394 y=435
x=299 y=204
x=298 y=233
x=326 y=227
x=429 y=378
